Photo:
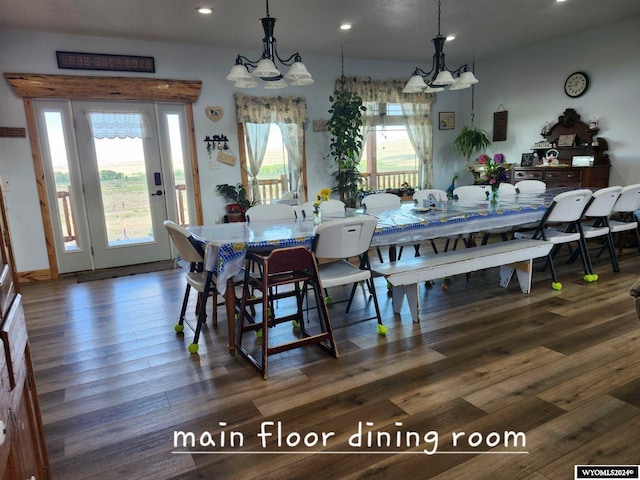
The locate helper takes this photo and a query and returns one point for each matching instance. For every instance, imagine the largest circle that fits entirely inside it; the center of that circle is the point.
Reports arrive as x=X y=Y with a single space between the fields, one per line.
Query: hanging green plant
x=345 y=128
x=470 y=140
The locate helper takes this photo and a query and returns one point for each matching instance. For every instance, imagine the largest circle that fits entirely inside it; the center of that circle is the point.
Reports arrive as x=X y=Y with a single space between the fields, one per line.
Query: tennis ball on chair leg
x=556 y=285
x=178 y=328
x=193 y=348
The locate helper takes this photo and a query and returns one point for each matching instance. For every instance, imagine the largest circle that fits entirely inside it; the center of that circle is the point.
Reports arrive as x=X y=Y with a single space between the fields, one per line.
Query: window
x=388 y=157
x=273 y=179
x=272 y=154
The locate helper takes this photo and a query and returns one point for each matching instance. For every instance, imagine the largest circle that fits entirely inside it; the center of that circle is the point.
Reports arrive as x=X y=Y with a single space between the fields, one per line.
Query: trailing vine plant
x=345 y=128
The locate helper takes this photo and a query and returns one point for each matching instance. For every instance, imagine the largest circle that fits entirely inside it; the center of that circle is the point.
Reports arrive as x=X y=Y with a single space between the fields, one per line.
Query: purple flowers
x=494 y=173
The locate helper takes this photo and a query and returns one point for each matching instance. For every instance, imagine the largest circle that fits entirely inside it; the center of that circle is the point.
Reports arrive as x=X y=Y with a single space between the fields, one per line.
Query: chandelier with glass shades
x=265 y=68
x=436 y=79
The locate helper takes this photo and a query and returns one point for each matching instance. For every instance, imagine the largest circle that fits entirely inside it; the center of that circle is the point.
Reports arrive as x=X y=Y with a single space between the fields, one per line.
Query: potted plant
x=470 y=140
x=344 y=126
x=239 y=201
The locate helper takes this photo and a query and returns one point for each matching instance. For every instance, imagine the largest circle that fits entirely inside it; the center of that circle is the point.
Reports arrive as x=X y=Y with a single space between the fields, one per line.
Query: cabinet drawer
x=527 y=175
x=14 y=338
x=565 y=176
x=7 y=290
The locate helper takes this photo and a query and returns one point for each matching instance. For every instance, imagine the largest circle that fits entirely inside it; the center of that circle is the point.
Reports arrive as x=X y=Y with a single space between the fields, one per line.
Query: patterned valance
x=382 y=91
x=271 y=109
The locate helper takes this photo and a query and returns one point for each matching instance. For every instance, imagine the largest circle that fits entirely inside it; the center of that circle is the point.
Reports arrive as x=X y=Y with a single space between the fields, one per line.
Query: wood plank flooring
x=562 y=367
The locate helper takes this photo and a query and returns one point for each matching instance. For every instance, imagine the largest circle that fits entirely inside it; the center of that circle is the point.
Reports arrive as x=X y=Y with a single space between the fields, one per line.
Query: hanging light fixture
x=265 y=68
x=439 y=76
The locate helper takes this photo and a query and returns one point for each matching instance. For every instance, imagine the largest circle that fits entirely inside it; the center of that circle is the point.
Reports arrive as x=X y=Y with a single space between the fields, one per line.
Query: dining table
x=226 y=244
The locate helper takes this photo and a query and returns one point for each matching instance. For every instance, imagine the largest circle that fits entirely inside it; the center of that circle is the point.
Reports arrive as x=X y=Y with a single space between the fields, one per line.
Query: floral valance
x=271 y=109
x=382 y=91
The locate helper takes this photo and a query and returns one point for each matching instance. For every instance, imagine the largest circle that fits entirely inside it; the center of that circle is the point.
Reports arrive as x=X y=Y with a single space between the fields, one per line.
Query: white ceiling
x=382 y=29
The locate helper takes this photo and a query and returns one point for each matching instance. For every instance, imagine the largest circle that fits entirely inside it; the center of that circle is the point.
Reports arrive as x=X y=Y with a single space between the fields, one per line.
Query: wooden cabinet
x=565 y=176
x=569 y=137
x=23 y=453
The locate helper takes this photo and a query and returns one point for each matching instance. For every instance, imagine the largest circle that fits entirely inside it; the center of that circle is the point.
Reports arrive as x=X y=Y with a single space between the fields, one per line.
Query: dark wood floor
x=563 y=367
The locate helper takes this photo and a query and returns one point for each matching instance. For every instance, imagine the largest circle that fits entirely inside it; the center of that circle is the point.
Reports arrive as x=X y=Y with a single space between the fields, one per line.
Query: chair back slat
x=569 y=206
x=602 y=202
x=184 y=242
x=344 y=237
x=629 y=200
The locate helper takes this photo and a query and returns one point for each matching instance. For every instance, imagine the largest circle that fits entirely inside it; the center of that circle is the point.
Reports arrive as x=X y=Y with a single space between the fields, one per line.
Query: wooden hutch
x=23 y=454
x=569 y=137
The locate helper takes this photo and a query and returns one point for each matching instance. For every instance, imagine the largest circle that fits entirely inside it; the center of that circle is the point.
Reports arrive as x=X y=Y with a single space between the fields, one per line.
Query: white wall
x=528 y=83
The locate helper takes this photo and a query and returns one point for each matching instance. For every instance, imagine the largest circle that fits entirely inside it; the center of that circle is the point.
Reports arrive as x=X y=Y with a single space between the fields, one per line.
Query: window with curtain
x=398 y=133
x=272 y=153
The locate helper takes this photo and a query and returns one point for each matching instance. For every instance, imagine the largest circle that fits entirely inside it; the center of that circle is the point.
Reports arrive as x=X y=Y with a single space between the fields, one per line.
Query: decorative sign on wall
x=500 y=125
x=214 y=113
x=320 y=126
x=102 y=61
x=13 y=132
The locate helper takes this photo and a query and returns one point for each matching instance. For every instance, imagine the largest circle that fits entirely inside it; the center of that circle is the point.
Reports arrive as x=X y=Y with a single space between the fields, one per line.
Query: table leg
x=230 y=305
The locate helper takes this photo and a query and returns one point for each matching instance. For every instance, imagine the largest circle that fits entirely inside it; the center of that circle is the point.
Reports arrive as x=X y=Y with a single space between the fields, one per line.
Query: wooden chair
x=294 y=266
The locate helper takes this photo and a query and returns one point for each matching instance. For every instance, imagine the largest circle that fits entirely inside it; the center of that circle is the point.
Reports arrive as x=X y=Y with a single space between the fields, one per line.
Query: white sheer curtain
x=293 y=138
x=256 y=136
x=118 y=124
x=418 y=123
x=290 y=114
x=417 y=118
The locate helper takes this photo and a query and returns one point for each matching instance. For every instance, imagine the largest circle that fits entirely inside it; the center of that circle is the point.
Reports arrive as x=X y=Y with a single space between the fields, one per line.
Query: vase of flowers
x=493 y=174
x=322 y=196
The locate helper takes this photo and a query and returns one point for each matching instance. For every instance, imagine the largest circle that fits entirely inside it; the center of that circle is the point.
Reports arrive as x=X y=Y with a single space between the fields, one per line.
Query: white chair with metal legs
x=628 y=202
x=381 y=202
x=598 y=211
x=566 y=208
x=270 y=212
x=191 y=250
x=337 y=241
x=531 y=186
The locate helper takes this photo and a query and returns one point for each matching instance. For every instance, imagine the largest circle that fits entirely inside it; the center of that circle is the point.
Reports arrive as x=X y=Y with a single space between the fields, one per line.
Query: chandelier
x=265 y=68
x=439 y=76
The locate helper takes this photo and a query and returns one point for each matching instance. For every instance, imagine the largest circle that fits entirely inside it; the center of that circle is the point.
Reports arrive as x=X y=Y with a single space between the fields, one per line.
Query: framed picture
x=447 y=121
x=566 y=140
x=527 y=160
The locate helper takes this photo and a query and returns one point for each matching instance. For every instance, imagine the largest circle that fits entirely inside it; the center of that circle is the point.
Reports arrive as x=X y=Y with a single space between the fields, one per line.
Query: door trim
x=29 y=86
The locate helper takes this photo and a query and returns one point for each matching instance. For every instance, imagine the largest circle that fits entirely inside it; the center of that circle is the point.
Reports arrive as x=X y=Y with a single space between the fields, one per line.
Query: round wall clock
x=576 y=84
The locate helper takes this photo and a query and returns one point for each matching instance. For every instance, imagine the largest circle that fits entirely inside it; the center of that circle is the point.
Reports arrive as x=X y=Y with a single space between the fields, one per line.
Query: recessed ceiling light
x=559 y=1
x=204 y=10
x=450 y=37
x=345 y=26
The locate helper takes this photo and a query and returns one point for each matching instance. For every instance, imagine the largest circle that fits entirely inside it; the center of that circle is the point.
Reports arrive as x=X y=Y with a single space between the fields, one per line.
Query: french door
x=106 y=183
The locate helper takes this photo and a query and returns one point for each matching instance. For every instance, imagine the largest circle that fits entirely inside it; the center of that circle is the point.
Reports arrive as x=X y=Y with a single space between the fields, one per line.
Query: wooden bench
x=511 y=256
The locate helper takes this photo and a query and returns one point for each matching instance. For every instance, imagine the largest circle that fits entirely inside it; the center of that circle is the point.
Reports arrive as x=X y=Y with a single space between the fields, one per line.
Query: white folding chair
x=507 y=189
x=270 y=212
x=599 y=209
x=531 y=186
x=328 y=207
x=381 y=201
x=470 y=193
x=566 y=208
x=337 y=241
x=191 y=250
x=628 y=202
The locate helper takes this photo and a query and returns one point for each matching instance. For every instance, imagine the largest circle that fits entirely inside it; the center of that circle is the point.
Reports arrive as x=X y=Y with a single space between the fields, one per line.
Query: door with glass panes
x=107 y=183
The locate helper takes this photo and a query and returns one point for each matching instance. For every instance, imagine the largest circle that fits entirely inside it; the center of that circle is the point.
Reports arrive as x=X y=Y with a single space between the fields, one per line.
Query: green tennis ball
x=178 y=328
x=382 y=329
x=595 y=277
x=295 y=324
x=193 y=348
x=556 y=285
x=259 y=333
x=328 y=300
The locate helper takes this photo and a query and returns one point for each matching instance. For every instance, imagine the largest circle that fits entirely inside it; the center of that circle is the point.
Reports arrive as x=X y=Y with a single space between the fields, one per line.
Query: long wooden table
x=227 y=244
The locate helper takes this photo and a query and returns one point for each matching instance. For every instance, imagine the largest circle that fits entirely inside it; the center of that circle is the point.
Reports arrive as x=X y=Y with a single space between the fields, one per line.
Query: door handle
x=158 y=193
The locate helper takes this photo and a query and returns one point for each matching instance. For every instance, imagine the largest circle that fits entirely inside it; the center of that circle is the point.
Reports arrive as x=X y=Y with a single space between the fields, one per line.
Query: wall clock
x=576 y=84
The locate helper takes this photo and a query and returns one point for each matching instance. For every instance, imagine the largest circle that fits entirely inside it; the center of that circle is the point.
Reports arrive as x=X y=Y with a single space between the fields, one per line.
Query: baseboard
x=34 y=276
